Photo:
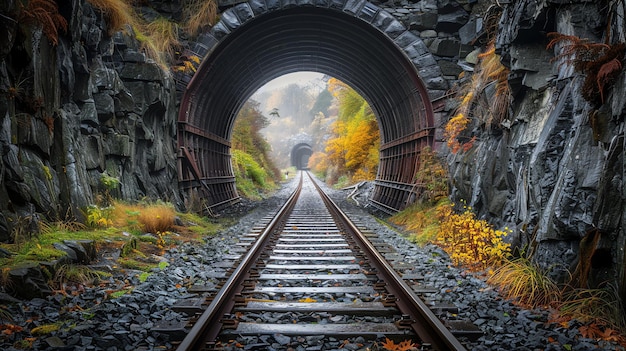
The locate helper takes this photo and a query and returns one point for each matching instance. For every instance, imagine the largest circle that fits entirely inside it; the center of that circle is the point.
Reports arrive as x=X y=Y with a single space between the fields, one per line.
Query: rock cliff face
x=554 y=169
x=72 y=114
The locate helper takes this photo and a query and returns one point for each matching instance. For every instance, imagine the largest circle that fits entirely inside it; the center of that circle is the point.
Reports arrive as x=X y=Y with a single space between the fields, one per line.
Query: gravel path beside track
x=91 y=321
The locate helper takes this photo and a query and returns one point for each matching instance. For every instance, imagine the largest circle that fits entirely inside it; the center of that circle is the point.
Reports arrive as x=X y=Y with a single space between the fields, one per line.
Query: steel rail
x=425 y=323
x=208 y=325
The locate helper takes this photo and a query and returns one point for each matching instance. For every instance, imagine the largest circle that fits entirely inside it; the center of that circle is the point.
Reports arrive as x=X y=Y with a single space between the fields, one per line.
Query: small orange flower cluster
x=470 y=241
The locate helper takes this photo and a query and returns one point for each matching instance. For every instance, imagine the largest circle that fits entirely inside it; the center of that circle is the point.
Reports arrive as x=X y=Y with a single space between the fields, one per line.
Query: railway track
x=310 y=274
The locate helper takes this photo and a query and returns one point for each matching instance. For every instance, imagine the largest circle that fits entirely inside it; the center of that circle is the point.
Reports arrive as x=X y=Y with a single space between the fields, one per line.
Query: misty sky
x=300 y=78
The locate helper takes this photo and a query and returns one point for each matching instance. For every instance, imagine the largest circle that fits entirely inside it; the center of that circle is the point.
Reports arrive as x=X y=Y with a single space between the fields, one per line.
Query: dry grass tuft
x=149 y=218
x=199 y=14
x=117 y=14
x=161 y=39
x=598 y=306
x=491 y=110
x=69 y=274
x=522 y=281
x=157 y=218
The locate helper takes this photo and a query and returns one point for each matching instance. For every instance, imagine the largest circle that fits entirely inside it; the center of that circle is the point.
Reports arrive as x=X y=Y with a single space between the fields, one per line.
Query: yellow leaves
x=353 y=147
x=188 y=65
x=335 y=86
x=453 y=130
x=469 y=241
x=307 y=300
x=44 y=329
x=488 y=71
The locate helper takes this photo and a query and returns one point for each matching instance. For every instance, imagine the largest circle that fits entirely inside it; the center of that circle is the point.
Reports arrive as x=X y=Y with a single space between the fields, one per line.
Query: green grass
x=251 y=179
x=135 y=246
x=420 y=220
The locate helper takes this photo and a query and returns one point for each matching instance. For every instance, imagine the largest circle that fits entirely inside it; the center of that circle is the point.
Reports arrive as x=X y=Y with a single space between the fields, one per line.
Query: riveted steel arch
x=354 y=41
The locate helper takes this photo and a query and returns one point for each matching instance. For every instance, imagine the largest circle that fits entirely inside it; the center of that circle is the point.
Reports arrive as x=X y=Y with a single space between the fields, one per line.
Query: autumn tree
x=353 y=147
x=251 y=160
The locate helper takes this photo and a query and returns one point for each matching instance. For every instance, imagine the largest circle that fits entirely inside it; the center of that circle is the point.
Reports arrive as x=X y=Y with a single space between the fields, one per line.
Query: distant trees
x=352 y=150
x=254 y=171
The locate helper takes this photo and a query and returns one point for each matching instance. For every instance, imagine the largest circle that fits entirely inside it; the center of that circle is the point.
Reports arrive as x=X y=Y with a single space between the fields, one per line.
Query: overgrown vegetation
x=475 y=245
x=352 y=151
x=44 y=13
x=431 y=177
x=199 y=14
x=469 y=241
x=521 y=280
x=118 y=14
x=600 y=63
x=159 y=38
x=138 y=230
x=255 y=173
x=475 y=105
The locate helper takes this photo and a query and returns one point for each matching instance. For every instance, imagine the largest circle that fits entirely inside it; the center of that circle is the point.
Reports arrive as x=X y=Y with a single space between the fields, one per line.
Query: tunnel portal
x=354 y=41
x=300 y=154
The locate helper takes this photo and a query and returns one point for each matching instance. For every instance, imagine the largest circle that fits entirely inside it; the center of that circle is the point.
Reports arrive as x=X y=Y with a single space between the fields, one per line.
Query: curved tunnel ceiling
x=260 y=47
x=352 y=40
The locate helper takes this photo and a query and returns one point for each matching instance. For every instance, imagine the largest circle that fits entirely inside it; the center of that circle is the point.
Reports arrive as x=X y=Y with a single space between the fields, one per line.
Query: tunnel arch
x=354 y=41
x=300 y=154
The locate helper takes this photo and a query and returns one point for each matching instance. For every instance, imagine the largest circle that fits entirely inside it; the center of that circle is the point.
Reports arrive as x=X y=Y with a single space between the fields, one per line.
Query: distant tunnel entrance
x=354 y=41
x=300 y=154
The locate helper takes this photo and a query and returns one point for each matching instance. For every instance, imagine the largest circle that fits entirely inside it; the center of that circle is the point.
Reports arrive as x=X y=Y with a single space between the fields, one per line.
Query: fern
x=46 y=14
x=601 y=63
x=606 y=74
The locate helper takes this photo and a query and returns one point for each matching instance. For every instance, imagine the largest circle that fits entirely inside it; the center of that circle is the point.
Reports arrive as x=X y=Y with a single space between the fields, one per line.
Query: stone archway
x=300 y=154
x=354 y=41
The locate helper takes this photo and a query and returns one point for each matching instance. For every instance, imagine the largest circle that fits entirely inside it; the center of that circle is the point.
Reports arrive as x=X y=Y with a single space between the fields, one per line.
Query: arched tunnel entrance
x=354 y=41
x=300 y=154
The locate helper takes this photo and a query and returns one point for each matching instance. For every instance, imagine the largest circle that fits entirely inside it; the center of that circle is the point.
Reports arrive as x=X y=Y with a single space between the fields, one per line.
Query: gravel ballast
x=93 y=320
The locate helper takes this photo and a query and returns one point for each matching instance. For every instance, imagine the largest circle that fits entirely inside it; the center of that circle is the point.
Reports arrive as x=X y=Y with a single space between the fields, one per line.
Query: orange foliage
x=488 y=71
x=45 y=13
x=598 y=332
x=405 y=345
x=600 y=63
x=10 y=329
x=318 y=162
x=354 y=146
